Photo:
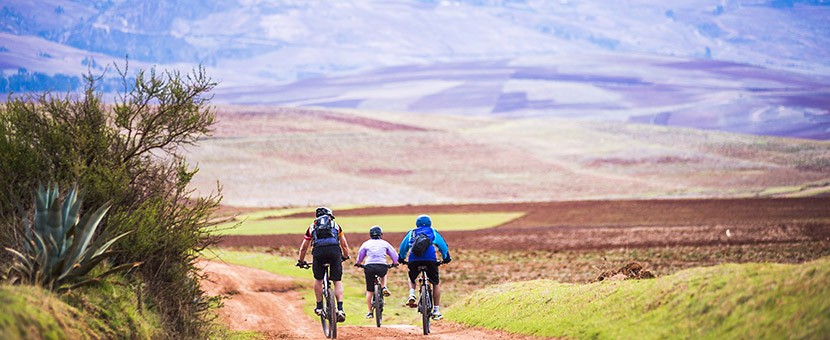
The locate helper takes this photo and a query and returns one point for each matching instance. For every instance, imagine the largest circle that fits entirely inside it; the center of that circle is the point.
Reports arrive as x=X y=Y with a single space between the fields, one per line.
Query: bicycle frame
x=426 y=299
x=328 y=318
x=377 y=297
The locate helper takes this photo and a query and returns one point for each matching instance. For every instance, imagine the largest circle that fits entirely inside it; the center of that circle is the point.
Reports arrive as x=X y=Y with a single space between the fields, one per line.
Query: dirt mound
x=633 y=271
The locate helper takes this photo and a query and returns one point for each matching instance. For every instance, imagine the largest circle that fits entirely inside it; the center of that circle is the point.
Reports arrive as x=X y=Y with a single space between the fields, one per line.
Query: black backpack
x=324 y=232
x=420 y=243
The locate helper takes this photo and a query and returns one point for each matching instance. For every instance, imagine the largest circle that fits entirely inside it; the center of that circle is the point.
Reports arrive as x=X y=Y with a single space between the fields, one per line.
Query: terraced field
x=283 y=157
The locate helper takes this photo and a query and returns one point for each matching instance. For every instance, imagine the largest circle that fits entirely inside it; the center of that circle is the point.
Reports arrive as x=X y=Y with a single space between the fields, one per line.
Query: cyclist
x=423 y=225
x=375 y=251
x=329 y=244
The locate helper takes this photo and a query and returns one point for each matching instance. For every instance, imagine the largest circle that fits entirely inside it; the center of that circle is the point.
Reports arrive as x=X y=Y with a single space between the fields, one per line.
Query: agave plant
x=59 y=252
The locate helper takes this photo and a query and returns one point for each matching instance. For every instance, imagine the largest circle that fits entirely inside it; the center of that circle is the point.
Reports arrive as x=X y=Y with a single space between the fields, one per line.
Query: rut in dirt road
x=258 y=301
x=270 y=304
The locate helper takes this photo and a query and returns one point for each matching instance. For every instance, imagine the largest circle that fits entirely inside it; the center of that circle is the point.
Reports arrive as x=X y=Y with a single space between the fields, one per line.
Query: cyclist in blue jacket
x=423 y=225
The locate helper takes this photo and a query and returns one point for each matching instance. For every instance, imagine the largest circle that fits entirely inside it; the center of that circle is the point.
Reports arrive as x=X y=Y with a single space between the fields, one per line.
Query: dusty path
x=268 y=303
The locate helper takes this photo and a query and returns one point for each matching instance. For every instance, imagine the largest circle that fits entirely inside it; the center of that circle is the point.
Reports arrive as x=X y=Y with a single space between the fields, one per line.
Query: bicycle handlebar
x=438 y=263
x=306 y=265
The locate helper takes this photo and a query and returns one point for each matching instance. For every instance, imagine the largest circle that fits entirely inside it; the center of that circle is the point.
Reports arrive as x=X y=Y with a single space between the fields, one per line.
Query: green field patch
x=389 y=223
x=780 y=191
x=731 y=301
x=274 y=264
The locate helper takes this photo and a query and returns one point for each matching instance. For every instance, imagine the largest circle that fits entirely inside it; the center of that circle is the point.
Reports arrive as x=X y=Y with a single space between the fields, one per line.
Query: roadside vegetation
x=124 y=158
x=730 y=301
x=107 y=310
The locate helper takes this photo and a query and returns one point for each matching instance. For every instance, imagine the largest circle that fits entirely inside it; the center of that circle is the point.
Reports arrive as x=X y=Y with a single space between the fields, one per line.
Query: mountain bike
x=425 y=301
x=377 y=297
x=328 y=318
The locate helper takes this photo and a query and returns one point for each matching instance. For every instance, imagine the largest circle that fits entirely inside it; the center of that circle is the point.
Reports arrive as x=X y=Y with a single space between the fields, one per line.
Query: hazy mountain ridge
x=320 y=37
x=708 y=64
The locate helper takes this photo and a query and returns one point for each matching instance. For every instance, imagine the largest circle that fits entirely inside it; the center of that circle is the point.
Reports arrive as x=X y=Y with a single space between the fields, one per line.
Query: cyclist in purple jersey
x=374 y=251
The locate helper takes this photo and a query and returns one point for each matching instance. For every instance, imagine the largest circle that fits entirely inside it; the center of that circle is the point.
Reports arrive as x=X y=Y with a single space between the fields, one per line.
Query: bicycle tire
x=426 y=308
x=324 y=316
x=378 y=304
x=332 y=307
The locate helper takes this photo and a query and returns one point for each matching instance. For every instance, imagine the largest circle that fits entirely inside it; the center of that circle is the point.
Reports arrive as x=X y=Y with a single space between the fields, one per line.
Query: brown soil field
x=587 y=241
x=612 y=224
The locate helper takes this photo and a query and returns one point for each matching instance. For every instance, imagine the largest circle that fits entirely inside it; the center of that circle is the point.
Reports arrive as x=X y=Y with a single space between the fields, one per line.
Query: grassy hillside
x=731 y=301
x=272 y=156
x=108 y=311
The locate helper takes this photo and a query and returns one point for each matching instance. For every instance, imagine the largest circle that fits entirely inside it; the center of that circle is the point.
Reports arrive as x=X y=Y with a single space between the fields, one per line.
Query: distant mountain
x=699 y=93
x=285 y=40
x=256 y=44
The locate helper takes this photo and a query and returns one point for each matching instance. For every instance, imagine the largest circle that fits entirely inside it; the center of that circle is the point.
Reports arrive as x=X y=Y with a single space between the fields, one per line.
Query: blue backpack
x=324 y=232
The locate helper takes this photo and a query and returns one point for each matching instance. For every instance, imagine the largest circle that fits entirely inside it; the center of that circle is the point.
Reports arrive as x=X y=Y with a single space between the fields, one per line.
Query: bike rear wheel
x=332 y=306
x=377 y=304
x=324 y=316
x=426 y=308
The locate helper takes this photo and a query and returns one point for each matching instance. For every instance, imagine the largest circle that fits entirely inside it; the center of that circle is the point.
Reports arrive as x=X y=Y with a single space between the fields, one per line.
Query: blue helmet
x=423 y=221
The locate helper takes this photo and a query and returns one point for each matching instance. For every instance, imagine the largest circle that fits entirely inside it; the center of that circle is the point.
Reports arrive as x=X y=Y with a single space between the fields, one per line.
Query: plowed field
x=596 y=225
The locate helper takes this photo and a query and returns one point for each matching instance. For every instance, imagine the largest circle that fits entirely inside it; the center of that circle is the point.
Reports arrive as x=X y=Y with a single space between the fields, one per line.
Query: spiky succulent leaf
x=85 y=230
x=70 y=209
x=102 y=248
x=41 y=211
x=82 y=268
x=83 y=282
x=59 y=248
x=25 y=261
x=55 y=222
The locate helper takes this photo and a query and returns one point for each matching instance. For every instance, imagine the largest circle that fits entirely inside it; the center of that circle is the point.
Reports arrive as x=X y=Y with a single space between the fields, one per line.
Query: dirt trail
x=268 y=303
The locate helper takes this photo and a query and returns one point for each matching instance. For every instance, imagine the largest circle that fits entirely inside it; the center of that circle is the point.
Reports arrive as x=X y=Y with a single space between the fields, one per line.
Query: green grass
x=780 y=190
x=390 y=223
x=354 y=299
x=31 y=312
x=730 y=301
x=105 y=310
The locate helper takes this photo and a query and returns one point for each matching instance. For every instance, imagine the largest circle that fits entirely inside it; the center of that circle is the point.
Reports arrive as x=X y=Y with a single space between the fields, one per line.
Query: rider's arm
x=303 y=249
x=344 y=246
x=442 y=245
x=361 y=254
x=391 y=252
x=404 y=248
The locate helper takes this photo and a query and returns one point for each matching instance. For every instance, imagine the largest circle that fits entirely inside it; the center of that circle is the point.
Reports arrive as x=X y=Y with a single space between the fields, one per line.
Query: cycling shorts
x=432 y=271
x=331 y=255
x=370 y=270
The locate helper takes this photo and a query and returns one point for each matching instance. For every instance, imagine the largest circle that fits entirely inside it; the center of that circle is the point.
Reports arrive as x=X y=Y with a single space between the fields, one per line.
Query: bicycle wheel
x=378 y=304
x=324 y=316
x=332 y=311
x=426 y=308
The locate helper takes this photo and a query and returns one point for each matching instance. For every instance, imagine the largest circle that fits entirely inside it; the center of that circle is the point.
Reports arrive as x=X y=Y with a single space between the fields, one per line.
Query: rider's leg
x=436 y=292
x=318 y=290
x=369 y=300
x=338 y=290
